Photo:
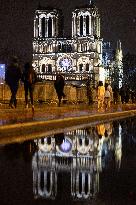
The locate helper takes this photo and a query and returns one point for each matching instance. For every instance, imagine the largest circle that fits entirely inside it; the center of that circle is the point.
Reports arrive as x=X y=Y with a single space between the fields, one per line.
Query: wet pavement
x=21 y=124
x=89 y=165
x=51 y=111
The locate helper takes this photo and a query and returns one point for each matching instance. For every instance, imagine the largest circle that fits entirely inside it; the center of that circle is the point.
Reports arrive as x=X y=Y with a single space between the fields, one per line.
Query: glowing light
x=2 y=73
x=66 y=146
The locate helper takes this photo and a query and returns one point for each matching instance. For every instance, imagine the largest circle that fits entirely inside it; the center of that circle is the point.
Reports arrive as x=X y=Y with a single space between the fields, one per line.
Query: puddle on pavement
x=95 y=165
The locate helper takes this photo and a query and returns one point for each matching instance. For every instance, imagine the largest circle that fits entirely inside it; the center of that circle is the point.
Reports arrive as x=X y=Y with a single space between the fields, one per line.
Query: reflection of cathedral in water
x=82 y=153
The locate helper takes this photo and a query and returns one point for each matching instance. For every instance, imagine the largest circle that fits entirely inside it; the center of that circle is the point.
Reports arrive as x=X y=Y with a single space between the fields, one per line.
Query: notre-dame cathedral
x=83 y=54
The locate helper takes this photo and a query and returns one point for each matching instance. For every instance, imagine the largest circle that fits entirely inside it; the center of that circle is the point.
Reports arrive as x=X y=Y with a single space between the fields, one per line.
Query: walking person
x=100 y=94
x=29 y=78
x=59 y=87
x=12 y=76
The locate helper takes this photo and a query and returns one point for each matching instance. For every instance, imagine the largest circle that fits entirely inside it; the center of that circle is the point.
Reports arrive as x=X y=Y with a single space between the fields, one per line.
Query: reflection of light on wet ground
x=66 y=146
x=49 y=117
x=44 y=112
x=39 y=117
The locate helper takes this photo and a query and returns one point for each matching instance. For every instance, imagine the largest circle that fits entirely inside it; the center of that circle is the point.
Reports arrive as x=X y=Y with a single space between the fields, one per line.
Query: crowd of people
x=14 y=74
x=104 y=94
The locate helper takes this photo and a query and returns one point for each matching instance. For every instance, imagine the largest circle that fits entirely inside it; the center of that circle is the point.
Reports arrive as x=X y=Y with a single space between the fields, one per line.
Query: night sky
x=118 y=21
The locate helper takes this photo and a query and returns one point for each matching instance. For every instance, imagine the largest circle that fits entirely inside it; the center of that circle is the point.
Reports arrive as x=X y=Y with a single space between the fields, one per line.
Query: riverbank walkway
x=17 y=125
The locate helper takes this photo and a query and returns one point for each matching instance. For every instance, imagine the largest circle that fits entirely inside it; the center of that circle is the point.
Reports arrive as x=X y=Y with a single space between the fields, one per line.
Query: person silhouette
x=12 y=76
x=59 y=87
x=100 y=94
x=29 y=78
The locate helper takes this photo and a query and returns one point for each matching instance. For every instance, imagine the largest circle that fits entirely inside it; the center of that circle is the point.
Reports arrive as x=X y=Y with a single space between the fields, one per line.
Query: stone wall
x=46 y=92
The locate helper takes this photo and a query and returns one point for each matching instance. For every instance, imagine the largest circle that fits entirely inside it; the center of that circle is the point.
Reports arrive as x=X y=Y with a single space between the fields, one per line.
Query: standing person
x=108 y=95
x=89 y=91
x=29 y=78
x=111 y=91
x=100 y=94
x=107 y=98
x=59 y=87
x=12 y=76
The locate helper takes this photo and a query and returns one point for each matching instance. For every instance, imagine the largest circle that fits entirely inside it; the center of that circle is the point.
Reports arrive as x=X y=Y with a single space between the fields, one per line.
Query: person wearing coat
x=89 y=91
x=12 y=76
x=100 y=94
x=59 y=87
x=29 y=78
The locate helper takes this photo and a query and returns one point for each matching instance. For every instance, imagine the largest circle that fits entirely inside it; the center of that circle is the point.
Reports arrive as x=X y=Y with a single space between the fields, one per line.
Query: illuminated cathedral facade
x=79 y=55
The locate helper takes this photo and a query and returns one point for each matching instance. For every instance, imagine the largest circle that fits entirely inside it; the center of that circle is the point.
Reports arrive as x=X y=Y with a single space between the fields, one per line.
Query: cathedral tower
x=86 y=21
x=47 y=23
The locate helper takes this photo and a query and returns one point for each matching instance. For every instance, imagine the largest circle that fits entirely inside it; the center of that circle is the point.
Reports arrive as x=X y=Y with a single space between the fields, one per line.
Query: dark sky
x=118 y=21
